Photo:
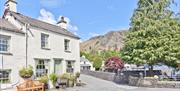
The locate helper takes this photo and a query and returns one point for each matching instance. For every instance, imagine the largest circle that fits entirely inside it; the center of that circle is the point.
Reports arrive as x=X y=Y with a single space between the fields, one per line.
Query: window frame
x=7 y=77
x=6 y=39
x=42 y=64
x=66 y=45
x=44 y=41
x=70 y=66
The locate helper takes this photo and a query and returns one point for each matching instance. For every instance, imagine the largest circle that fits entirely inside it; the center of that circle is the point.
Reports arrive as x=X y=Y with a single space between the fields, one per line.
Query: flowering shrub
x=113 y=64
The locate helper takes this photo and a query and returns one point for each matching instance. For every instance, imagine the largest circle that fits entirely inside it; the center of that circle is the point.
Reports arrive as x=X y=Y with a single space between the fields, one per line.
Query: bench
x=30 y=85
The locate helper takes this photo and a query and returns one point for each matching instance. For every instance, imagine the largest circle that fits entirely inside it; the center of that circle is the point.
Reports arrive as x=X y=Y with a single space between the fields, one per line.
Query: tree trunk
x=151 y=71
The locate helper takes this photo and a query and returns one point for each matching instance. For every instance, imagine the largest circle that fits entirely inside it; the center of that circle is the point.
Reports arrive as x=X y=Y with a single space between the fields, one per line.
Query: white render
x=56 y=50
x=84 y=63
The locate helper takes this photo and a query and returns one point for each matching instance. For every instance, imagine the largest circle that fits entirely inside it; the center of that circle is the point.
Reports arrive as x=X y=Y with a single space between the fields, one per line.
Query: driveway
x=95 y=84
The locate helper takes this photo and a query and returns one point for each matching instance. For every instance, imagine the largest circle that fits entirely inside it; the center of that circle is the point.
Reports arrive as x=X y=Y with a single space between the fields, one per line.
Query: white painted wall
x=56 y=45
x=17 y=59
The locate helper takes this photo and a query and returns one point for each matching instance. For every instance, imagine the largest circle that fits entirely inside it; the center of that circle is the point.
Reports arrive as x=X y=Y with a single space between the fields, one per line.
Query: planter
x=46 y=86
x=70 y=83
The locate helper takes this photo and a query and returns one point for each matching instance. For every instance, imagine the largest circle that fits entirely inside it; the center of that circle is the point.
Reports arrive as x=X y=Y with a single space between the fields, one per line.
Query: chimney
x=11 y=5
x=62 y=23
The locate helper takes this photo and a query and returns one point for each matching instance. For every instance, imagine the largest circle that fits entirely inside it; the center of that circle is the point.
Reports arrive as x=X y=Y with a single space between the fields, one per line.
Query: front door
x=57 y=67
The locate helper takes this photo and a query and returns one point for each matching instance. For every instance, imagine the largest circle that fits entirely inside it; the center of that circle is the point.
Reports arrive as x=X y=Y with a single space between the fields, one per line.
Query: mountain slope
x=113 y=40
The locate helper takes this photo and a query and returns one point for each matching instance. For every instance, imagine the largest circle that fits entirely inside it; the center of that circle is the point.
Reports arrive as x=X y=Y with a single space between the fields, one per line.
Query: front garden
x=52 y=81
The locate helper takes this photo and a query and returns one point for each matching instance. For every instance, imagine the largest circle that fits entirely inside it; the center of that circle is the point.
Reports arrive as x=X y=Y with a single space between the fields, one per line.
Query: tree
x=109 y=53
x=113 y=64
x=154 y=35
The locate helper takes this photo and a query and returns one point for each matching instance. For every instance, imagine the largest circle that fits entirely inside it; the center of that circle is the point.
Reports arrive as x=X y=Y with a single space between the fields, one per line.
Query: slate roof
x=43 y=25
x=6 y=25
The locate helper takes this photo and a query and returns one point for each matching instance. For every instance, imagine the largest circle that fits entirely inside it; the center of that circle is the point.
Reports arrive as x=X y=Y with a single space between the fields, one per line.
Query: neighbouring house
x=86 y=64
x=27 y=41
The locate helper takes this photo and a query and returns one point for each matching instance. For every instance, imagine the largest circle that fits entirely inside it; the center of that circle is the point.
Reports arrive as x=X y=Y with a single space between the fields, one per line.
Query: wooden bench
x=30 y=85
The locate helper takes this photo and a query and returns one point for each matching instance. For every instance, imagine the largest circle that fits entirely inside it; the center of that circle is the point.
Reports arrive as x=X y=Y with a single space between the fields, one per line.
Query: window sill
x=45 y=48
x=6 y=53
x=67 y=51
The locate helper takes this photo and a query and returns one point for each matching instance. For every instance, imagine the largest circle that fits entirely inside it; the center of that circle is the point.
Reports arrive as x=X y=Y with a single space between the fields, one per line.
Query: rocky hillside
x=113 y=40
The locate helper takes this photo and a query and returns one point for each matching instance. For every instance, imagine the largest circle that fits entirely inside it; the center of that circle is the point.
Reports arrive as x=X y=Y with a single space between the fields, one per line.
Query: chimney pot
x=62 y=23
x=11 y=5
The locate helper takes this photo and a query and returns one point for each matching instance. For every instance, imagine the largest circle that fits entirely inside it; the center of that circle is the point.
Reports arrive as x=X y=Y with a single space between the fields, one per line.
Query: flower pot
x=70 y=83
x=46 y=86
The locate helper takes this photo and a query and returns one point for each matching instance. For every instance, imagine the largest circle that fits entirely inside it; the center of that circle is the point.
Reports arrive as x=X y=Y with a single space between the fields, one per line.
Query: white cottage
x=27 y=41
x=86 y=64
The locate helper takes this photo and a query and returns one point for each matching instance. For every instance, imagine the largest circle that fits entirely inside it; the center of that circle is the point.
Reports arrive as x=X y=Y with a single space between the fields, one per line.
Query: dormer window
x=44 y=41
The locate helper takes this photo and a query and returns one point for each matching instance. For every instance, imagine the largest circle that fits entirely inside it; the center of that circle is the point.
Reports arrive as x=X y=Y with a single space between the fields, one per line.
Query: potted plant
x=71 y=80
x=77 y=74
x=44 y=79
x=26 y=72
x=53 y=78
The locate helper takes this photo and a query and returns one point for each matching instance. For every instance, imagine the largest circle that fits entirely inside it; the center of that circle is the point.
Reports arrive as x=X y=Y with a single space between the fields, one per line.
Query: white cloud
x=48 y=17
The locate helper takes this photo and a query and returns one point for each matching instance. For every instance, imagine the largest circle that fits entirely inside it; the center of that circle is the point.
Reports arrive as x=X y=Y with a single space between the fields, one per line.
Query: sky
x=86 y=18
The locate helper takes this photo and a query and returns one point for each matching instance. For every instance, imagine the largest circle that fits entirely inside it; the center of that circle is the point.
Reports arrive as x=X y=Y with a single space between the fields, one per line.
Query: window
x=70 y=67
x=5 y=75
x=44 y=40
x=4 y=43
x=42 y=67
x=66 y=45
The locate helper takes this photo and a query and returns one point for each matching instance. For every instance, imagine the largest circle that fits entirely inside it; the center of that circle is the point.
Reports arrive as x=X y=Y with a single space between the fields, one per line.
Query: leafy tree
x=154 y=35
x=97 y=58
x=113 y=64
x=109 y=53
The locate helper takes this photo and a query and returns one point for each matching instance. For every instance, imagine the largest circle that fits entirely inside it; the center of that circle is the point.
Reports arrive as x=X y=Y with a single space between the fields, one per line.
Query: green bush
x=70 y=79
x=53 y=78
x=78 y=74
x=26 y=72
x=44 y=79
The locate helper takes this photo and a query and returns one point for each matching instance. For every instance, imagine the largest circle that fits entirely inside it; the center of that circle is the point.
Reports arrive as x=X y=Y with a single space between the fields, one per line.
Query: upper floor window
x=44 y=40
x=66 y=45
x=4 y=43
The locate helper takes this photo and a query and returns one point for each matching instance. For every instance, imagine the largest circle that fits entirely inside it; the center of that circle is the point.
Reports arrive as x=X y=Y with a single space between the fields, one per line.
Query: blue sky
x=86 y=18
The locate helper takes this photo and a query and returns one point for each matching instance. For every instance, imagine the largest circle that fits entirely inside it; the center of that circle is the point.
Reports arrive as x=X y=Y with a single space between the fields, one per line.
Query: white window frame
x=6 y=40
x=44 y=40
x=67 y=45
x=70 y=66
x=5 y=78
x=42 y=68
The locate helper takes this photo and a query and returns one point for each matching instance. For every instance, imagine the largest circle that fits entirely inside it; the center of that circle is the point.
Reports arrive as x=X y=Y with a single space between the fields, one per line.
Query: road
x=95 y=84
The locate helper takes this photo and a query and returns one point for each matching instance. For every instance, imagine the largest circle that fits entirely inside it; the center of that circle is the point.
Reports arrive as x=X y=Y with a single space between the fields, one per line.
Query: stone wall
x=135 y=80
x=152 y=82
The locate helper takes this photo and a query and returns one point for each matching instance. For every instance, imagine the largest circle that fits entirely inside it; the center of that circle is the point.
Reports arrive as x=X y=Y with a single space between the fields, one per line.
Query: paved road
x=95 y=84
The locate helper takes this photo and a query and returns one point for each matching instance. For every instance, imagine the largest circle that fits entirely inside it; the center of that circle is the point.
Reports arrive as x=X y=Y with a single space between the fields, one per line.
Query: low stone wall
x=168 y=84
x=102 y=75
x=152 y=82
x=132 y=80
